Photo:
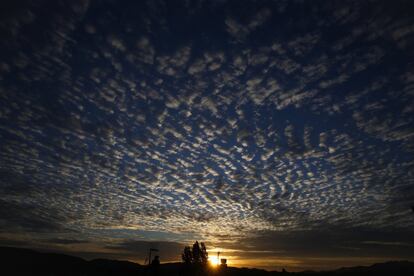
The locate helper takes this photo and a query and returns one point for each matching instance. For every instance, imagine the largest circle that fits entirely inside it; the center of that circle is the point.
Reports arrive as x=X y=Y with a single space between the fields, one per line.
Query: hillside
x=17 y=261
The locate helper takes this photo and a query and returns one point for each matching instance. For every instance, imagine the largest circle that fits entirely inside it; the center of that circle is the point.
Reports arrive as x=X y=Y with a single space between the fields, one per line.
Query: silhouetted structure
x=223 y=263
x=149 y=255
x=155 y=266
x=156 y=261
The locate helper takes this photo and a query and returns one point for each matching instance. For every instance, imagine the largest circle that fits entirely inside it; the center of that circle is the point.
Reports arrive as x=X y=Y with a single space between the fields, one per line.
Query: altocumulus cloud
x=242 y=132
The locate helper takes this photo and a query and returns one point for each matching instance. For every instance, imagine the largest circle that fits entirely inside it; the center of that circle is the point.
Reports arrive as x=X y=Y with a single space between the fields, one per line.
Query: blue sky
x=277 y=129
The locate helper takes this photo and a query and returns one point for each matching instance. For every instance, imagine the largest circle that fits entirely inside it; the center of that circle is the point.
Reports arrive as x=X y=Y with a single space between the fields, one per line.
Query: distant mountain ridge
x=18 y=261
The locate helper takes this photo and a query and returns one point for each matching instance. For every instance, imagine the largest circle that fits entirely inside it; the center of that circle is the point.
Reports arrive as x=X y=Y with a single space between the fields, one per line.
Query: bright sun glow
x=214 y=261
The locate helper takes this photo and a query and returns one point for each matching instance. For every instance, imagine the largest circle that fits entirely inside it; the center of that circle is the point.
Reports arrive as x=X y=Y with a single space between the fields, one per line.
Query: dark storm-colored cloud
x=17 y=216
x=214 y=120
x=334 y=242
x=170 y=250
x=65 y=241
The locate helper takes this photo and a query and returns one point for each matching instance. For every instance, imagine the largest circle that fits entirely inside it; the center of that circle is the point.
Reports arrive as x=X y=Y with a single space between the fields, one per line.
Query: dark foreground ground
x=16 y=261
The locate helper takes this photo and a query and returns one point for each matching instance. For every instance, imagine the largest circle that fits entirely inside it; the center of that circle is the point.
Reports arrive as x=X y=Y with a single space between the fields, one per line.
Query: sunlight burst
x=214 y=261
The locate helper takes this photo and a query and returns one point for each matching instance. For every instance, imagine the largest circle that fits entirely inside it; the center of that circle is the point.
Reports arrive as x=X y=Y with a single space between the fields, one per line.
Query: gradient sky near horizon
x=279 y=132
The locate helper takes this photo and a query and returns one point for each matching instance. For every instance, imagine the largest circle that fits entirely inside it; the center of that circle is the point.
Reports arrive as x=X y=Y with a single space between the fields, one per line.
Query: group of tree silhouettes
x=195 y=259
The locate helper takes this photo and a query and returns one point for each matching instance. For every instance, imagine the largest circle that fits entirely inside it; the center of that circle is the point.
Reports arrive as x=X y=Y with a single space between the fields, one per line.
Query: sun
x=214 y=261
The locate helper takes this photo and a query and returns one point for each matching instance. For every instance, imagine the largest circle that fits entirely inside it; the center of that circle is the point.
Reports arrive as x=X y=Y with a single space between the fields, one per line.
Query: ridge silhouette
x=18 y=261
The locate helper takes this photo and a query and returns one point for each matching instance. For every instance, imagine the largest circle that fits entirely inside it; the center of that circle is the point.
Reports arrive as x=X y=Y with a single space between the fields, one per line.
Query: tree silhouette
x=197 y=255
x=204 y=254
x=187 y=256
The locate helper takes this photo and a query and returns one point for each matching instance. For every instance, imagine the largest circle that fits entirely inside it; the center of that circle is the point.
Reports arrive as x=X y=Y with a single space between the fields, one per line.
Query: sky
x=281 y=133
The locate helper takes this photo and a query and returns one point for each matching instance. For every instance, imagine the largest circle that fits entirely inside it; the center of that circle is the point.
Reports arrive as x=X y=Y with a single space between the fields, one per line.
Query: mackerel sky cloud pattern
x=239 y=124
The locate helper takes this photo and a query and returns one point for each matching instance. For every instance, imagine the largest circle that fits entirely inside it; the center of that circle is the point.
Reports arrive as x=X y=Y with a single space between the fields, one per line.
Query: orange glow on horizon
x=214 y=261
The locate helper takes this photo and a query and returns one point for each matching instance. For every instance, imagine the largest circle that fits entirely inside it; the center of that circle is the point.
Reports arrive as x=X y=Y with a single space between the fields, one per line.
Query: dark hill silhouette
x=17 y=261
x=388 y=268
